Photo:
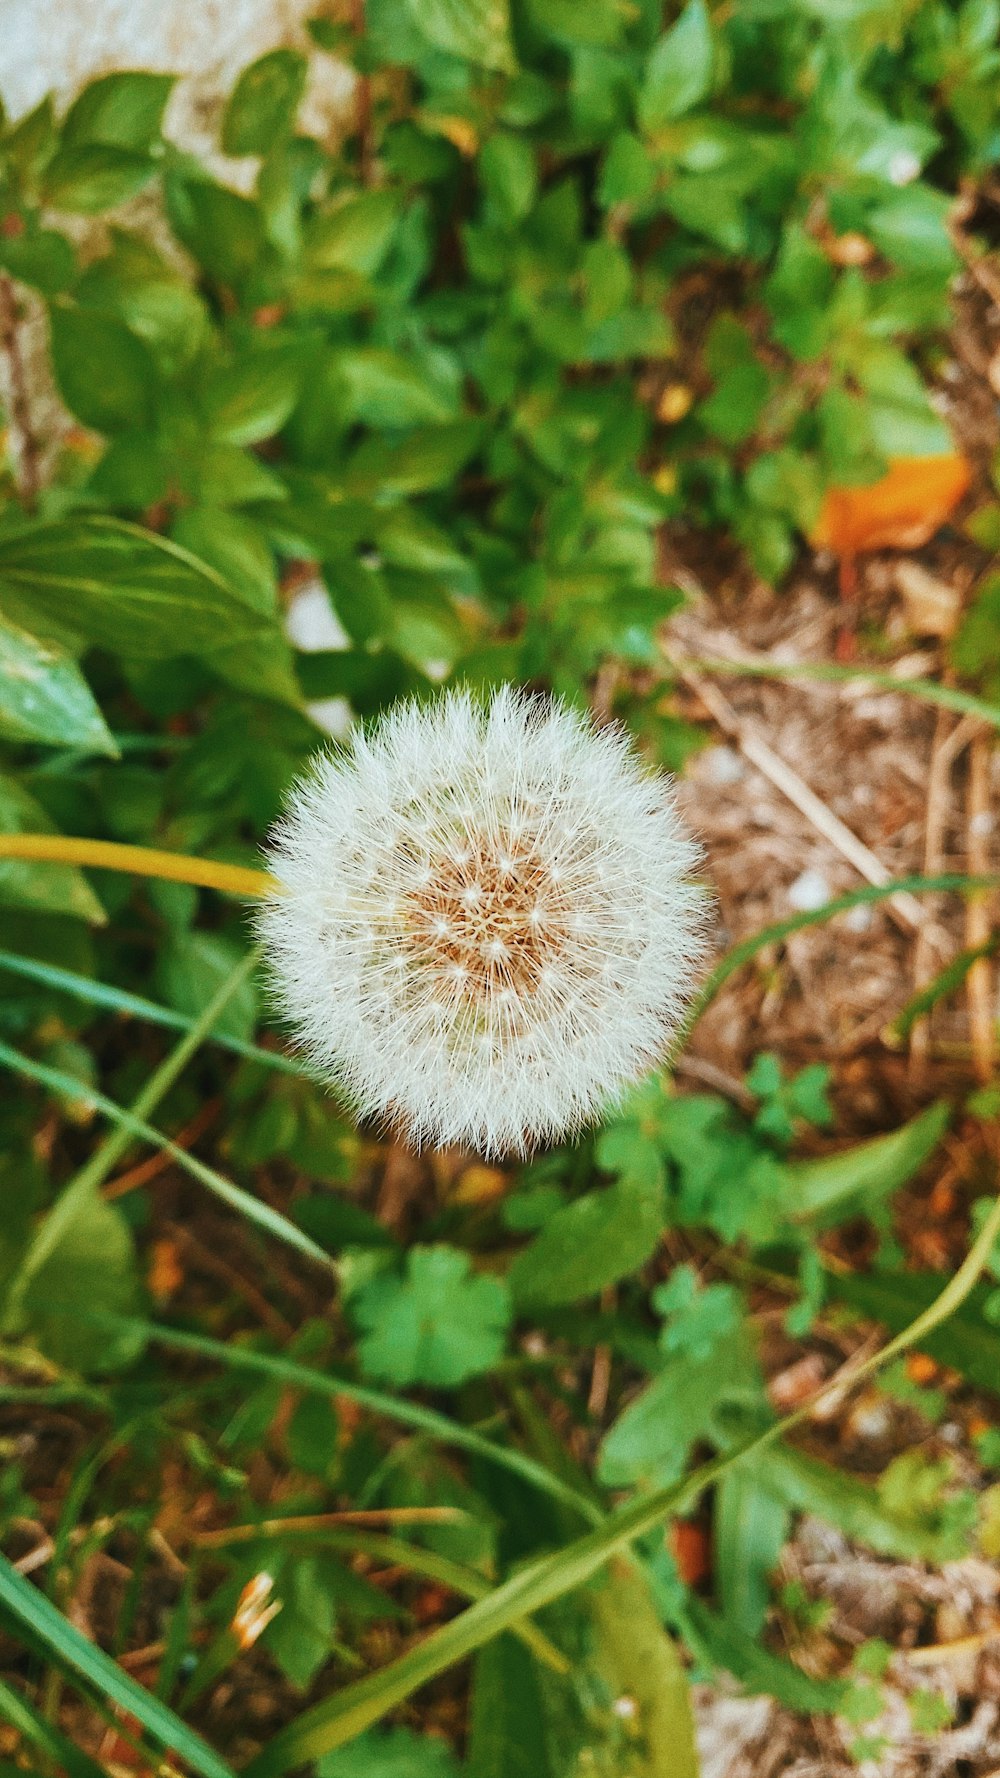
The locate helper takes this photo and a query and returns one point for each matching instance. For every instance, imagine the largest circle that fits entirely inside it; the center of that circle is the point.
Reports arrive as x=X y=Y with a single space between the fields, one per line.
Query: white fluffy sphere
x=487 y=928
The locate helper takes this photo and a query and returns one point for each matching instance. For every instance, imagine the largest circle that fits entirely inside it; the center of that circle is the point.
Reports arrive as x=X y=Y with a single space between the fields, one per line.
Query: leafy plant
x=455 y=373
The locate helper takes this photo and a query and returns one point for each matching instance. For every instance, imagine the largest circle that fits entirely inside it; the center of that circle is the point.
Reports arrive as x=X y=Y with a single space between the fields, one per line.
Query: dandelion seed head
x=488 y=928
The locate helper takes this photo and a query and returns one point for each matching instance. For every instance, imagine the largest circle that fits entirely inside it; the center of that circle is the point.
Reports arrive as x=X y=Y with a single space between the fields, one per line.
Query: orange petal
x=901 y=511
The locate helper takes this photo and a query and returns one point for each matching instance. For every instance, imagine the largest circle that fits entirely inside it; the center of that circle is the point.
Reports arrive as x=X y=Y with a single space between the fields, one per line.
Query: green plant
x=458 y=369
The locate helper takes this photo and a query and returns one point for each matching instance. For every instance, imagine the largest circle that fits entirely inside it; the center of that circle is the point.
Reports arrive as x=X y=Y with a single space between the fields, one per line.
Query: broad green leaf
x=251 y=398
x=223 y=230
x=41 y=257
x=507 y=1726
x=120 y=110
x=106 y=376
x=44 y=696
x=93 y=1268
x=353 y=236
x=839 y=1184
x=103 y=581
x=262 y=106
x=476 y=31
x=679 y=70
x=47 y=888
x=77 y=1656
x=591 y=1243
x=384 y=389
x=95 y=176
x=439 y=1325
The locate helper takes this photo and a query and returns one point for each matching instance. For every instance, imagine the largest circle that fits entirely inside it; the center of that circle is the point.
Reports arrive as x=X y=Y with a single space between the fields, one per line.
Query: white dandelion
x=488 y=928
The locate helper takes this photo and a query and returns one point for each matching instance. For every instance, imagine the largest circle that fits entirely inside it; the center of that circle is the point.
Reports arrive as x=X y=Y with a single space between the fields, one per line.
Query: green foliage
x=437 y=1325
x=425 y=370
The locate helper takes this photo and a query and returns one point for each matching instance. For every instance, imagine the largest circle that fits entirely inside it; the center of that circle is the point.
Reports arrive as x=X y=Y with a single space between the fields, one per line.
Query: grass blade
x=22 y=1715
x=927 y=690
x=405 y=1413
x=73 y=1654
x=95 y=993
x=748 y=948
x=271 y=1221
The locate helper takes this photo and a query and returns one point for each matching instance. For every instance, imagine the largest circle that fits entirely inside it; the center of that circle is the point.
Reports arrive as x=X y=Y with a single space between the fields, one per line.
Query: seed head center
x=490 y=919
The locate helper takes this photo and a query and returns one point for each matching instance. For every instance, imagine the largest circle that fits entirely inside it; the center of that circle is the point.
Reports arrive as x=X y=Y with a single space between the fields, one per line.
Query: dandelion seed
x=524 y=884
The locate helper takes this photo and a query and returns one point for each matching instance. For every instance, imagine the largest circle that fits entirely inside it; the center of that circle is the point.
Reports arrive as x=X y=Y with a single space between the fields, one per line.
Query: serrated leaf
x=650 y=1441
x=436 y=1325
x=44 y=696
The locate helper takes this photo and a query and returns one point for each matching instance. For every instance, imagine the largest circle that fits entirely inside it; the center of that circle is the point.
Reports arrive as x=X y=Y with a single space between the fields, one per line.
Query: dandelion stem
x=141 y=861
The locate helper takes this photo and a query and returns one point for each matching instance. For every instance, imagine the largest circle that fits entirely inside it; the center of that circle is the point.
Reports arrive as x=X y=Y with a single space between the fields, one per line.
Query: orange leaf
x=690 y=1549
x=901 y=511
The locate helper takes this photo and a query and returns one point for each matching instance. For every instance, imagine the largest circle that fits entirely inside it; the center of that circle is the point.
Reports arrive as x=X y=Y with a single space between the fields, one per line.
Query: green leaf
x=106 y=376
x=223 y=230
x=395 y=1753
x=49 y=888
x=841 y=1184
x=385 y=389
x=749 y=1527
x=438 y=1325
x=476 y=31
x=679 y=71
x=650 y=1441
x=94 y=177
x=92 y=1268
x=40 y=257
x=191 y=969
x=252 y=398
x=861 y=1511
x=44 y=696
x=591 y=1243
x=74 y=1654
x=263 y=103
x=119 y=110
x=103 y=581
x=637 y=1660
x=355 y=235
x=507 y=1736
x=722 y=1645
